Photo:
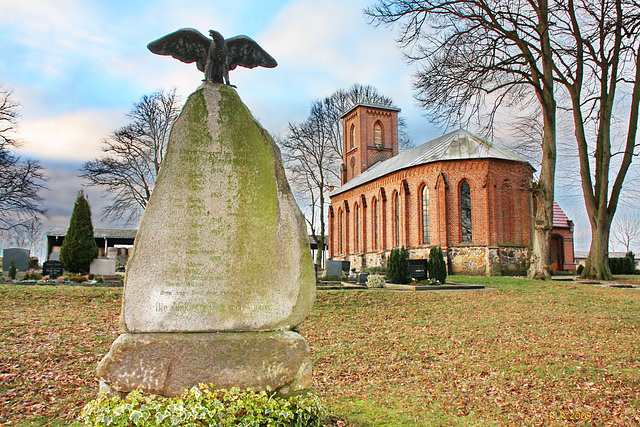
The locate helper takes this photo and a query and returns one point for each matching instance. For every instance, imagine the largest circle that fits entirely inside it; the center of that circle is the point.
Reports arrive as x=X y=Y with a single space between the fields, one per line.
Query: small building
x=461 y=192
x=112 y=243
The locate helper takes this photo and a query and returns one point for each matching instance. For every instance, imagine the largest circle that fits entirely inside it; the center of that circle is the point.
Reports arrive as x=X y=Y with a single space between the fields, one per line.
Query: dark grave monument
x=53 y=269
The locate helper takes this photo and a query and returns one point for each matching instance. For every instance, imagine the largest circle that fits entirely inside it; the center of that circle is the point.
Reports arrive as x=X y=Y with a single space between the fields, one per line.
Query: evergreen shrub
x=79 y=246
x=204 y=406
x=626 y=265
x=375 y=270
x=398 y=266
x=437 y=265
x=13 y=270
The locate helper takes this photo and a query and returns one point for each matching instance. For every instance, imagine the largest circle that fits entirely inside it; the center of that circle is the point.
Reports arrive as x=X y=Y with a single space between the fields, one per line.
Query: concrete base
x=169 y=363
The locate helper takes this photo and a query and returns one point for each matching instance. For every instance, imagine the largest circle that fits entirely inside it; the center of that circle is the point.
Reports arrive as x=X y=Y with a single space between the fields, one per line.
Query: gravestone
x=19 y=256
x=362 y=278
x=103 y=267
x=53 y=269
x=221 y=271
x=334 y=268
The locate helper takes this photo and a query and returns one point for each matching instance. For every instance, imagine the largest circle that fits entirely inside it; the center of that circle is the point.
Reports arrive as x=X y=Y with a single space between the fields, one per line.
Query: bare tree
x=20 y=180
x=626 y=229
x=599 y=55
x=133 y=155
x=311 y=162
x=480 y=57
x=312 y=152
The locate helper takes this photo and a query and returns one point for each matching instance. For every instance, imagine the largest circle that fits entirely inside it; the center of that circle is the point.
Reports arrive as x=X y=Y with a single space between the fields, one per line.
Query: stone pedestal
x=221 y=270
x=167 y=364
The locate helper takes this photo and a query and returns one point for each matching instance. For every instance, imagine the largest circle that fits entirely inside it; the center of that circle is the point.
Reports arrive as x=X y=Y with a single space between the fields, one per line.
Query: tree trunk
x=597 y=264
x=539 y=268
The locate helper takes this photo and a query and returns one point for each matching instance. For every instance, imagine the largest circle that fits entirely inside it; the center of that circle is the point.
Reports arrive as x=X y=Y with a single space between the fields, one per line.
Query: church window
x=465 y=212
x=375 y=224
x=396 y=204
x=425 y=215
x=377 y=135
x=352 y=137
x=340 y=231
x=356 y=228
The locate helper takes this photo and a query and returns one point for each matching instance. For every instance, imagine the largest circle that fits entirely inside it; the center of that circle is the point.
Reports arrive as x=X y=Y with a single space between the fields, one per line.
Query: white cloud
x=70 y=137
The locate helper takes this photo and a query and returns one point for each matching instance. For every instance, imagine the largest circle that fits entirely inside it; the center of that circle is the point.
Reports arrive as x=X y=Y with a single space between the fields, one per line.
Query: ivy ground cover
x=521 y=353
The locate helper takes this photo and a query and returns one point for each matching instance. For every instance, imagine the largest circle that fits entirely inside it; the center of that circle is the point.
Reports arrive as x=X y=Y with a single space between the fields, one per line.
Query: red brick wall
x=364 y=153
x=500 y=204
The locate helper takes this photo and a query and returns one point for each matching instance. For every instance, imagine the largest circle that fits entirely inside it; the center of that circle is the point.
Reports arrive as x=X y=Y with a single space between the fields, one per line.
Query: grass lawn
x=524 y=353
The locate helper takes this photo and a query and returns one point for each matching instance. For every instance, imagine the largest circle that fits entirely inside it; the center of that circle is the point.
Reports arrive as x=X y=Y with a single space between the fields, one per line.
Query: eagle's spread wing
x=187 y=45
x=245 y=52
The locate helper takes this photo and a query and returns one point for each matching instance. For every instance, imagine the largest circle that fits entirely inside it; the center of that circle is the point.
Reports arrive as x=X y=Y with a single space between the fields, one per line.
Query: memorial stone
x=18 y=255
x=334 y=268
x=236 y=272
x=53 y=269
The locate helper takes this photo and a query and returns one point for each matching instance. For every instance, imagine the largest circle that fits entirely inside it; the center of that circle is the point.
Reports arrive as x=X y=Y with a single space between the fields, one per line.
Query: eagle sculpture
x=215 y=56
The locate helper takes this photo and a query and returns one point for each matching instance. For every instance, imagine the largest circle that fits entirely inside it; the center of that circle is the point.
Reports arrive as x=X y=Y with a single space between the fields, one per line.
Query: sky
x=77 y=67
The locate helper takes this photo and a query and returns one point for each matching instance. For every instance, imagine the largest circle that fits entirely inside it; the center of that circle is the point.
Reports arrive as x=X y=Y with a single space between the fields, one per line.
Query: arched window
x=396 y=218
x=352 y=136
x=356 y=227
x=465 y=212
x=340 y=231
x=375 y=224
x=377 y=134
x=425 y=216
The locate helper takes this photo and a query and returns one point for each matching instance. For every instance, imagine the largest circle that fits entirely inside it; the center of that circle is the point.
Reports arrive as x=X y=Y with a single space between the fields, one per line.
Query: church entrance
x=556 y=253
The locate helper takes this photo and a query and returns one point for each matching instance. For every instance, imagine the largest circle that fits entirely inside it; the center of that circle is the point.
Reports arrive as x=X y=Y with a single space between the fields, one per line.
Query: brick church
x=459 y=191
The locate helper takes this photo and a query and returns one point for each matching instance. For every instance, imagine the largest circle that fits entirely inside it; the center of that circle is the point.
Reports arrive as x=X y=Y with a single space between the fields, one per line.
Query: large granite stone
x=169 y=363
x=222 y=245
x=19 y=256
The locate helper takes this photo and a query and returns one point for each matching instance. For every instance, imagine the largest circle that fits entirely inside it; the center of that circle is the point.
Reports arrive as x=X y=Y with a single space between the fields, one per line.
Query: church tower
x=370 y=135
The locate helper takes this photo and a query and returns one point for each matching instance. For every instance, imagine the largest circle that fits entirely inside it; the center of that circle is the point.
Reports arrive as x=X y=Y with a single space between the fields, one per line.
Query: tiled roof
x=97 y=232
x=456 y=145
x=560 y=219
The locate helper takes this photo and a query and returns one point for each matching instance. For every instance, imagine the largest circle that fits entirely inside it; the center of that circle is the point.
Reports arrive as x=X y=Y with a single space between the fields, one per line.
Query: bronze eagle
x=215 y=56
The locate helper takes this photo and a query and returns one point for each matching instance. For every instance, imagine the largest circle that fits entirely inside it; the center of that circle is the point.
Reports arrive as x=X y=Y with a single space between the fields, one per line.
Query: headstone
x=418 y=269
x=221 y=270
x=334 y=268
x=103 y=267
x=53 y=269
x=346 y=266
x=362 y=278
x=19 y=256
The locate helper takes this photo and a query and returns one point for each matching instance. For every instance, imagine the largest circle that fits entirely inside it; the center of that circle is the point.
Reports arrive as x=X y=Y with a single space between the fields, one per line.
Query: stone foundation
x=169 y=363
x=466 y=260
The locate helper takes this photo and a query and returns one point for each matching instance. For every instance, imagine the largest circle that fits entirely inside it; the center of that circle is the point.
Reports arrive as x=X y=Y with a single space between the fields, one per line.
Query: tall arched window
x=377 y=134
x=426 y=237
x=396 y=218
x=356 y=227
x=352 y=136
x=340 y=231
x=375 y=224
x=465 y=212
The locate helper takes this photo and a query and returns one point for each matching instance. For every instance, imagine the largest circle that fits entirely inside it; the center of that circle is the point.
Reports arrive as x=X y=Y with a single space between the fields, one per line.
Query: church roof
x=560 y=219
x=456 y=145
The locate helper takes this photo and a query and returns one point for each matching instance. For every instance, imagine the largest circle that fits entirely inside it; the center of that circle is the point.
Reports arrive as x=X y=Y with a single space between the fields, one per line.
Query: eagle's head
x=216 y=36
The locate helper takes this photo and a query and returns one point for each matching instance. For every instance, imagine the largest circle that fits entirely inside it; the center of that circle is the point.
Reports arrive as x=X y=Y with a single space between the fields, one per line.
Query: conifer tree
x=437 y=265
x=398 y=266
x=79 y=247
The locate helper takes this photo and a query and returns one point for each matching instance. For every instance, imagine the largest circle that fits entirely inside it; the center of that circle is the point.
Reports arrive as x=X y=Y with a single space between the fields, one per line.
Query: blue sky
x=77 y=66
